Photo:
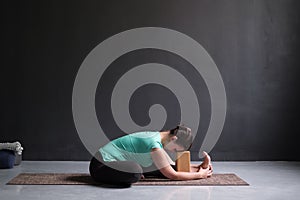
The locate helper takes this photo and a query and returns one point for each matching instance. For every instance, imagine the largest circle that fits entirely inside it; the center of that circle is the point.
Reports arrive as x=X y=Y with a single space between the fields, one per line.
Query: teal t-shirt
x=132 y=147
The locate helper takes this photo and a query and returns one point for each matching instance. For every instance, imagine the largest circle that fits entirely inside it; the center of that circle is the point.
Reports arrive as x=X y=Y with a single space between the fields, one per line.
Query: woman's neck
x=164 y=135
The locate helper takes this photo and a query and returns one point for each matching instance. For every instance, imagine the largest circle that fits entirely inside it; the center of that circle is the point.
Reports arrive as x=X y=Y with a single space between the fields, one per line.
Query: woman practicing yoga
x=125 y=160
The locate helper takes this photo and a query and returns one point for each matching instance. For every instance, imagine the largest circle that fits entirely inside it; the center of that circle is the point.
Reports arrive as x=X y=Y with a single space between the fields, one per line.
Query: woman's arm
x=163 y=165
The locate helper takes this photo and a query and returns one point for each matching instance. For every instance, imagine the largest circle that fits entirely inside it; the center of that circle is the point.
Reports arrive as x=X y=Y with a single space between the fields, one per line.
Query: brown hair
x=184 y=136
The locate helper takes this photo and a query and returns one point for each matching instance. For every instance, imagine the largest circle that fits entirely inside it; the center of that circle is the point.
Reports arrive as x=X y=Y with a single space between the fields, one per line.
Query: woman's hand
x=196 y=168
x=205 y=173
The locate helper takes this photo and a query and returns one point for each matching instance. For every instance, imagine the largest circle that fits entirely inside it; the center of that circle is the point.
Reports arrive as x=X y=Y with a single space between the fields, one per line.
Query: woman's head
x=181 y=138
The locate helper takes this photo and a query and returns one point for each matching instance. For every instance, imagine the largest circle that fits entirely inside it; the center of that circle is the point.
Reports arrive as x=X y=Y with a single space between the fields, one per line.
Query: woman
x=124 y=160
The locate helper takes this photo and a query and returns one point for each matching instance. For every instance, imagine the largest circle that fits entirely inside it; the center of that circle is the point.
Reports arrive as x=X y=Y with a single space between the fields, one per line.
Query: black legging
x=129 y=172
x=108 y=173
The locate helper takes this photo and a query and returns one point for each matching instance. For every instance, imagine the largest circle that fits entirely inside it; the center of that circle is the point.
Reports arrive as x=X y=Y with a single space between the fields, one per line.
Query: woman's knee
x=136 y=168
x=136 y=173
x=126 y=166
x=131 y=171
x=123 y=172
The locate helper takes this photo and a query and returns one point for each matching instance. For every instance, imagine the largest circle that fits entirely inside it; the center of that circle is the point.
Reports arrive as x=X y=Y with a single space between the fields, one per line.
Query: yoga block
x=183 y=163
x=7 y=159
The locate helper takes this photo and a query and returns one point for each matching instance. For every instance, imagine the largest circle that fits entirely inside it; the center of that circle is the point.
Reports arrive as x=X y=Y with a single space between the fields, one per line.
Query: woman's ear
x=173 y=138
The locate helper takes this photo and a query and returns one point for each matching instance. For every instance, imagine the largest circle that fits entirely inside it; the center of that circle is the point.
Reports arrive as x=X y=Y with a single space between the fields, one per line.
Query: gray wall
x=254 y=43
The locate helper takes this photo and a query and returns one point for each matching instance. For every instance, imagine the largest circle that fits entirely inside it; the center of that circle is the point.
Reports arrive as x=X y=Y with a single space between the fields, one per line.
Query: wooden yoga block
x=183 y=163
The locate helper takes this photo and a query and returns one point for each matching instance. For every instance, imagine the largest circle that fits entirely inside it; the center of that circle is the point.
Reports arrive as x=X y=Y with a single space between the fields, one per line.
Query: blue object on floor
x=7 y=159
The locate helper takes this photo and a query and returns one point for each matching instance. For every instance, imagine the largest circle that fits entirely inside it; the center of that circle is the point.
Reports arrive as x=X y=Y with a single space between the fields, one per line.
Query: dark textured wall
x=254 y=43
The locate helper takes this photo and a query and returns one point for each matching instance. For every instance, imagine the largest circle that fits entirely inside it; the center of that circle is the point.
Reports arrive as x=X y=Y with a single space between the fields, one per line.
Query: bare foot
x=206 y=161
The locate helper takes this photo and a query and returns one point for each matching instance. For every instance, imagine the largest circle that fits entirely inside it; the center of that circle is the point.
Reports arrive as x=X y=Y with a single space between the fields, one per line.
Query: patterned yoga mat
x=85 y=179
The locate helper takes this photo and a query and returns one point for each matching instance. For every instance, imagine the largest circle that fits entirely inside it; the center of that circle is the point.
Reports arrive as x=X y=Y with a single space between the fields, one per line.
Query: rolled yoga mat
x=86 y=179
